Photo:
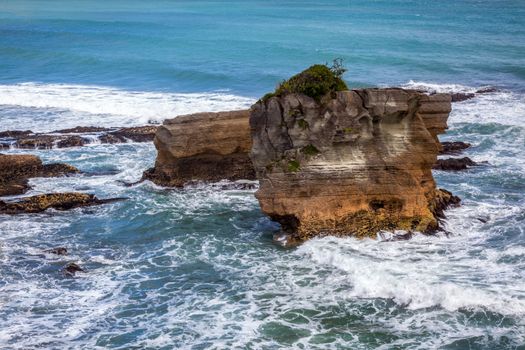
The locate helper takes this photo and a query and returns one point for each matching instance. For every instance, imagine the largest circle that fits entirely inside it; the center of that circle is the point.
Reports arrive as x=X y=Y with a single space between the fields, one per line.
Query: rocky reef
x=350 y=163
x=16 y=170
x=57 y=201
x=75 y=137
x=203 y=147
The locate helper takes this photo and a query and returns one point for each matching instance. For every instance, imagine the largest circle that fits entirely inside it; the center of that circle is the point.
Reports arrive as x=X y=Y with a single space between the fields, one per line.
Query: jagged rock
x=454 y=164
x=455 y=147
x=14 y=133
x=462 y=96
x=57 y=251
x=71 y=269
x=486 y=90
x=57 y=201
x=48 y=141
x=81 y=130
x=356 y=163
x=16 y=170
x=135 y=134
x=63 y=139
x=202 y=147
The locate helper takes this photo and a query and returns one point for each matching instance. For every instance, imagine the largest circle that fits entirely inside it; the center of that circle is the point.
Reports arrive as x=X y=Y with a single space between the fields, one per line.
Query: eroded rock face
x=356 y=163
x=203 y=147
x=16 y=170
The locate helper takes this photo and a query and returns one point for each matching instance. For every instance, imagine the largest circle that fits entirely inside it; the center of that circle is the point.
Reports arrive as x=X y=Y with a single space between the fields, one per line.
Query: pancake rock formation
x=350 y=163
x=203 y=147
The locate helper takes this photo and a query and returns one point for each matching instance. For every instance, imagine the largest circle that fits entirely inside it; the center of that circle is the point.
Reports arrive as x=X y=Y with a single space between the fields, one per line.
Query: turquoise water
x=197 y=269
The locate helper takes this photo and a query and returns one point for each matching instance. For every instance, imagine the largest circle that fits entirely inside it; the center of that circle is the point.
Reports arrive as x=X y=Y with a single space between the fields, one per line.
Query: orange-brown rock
x=355 y=163
x=203 y=147
x=17 y=169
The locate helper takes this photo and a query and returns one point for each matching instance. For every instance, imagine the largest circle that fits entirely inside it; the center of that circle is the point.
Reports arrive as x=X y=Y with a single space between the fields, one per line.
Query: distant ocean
x=197 y=269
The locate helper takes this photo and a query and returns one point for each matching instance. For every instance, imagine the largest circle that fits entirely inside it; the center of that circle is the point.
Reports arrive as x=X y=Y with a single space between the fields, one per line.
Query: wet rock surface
x=72 y=268
x=454 y=147
x=454 y=164
x=57 y=201
x=16 y=170
x=75 y=137
x=57 y=251
x=356 y=163
x=205 y=147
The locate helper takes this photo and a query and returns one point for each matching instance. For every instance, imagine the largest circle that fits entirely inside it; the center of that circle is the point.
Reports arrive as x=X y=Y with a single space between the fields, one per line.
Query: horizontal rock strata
x=57 y=201
x=355 y=163
x=16 y=170
x=203 y=147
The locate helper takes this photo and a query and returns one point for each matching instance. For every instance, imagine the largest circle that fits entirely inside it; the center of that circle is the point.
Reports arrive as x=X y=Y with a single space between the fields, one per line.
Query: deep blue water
x=197 y=269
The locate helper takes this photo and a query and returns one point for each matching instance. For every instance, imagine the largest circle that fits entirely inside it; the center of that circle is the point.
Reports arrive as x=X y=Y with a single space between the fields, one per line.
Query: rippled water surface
x=196 y=268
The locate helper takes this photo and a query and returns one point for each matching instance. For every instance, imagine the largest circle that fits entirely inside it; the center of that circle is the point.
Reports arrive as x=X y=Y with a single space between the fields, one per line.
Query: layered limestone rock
x=203 y=147
x=17 y=169
x=354 y=163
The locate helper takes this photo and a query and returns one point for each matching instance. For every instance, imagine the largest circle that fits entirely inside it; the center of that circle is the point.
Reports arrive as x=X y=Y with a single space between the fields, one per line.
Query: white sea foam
x=66 y=105
x=501 y=107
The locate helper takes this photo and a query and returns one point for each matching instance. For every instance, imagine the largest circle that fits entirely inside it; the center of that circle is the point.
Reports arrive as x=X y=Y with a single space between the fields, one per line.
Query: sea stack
x=205 y=147
x=351 y=162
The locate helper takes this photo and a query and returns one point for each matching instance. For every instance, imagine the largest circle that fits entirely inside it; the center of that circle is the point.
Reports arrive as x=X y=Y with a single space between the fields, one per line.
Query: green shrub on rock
x=316 y=81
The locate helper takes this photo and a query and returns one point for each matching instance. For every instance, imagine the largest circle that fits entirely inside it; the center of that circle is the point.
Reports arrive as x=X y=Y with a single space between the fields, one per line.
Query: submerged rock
x=57 y=201
x=57 y=251
x=71 y=269
x=455 y=147
x=354 y=163
x=203 y=147
x=16 y=170
x=454 y=164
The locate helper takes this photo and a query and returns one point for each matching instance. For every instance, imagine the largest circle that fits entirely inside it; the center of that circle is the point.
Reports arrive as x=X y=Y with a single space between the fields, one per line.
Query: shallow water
x=197 y=269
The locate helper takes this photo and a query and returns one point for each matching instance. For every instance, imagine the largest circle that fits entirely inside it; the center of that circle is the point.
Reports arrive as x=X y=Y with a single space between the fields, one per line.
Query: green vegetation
x=303 y=124
x=347 y=130
x=316 y=81
x=293 y=166
x=310 y=150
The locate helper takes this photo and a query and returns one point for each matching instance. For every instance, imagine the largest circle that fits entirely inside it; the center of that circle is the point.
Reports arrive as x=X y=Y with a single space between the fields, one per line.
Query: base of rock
x=206 y=167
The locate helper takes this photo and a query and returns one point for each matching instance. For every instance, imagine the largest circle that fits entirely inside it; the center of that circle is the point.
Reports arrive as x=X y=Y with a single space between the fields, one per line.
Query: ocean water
x=196 y=268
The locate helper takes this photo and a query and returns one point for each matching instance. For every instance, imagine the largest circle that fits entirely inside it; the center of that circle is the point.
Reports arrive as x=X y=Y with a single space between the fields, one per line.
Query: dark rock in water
x=486 y=90
x=71 y=269
x=135 y=134
x=455 y=147
x=57 y=251
x=483 y=219
x=16 y=170
x=58 y=201
x=59 y=139
x=15 y=133
x=41 y=141
x=462 y=96
x=454 y=164
x=442 y=201
x=81 y=130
